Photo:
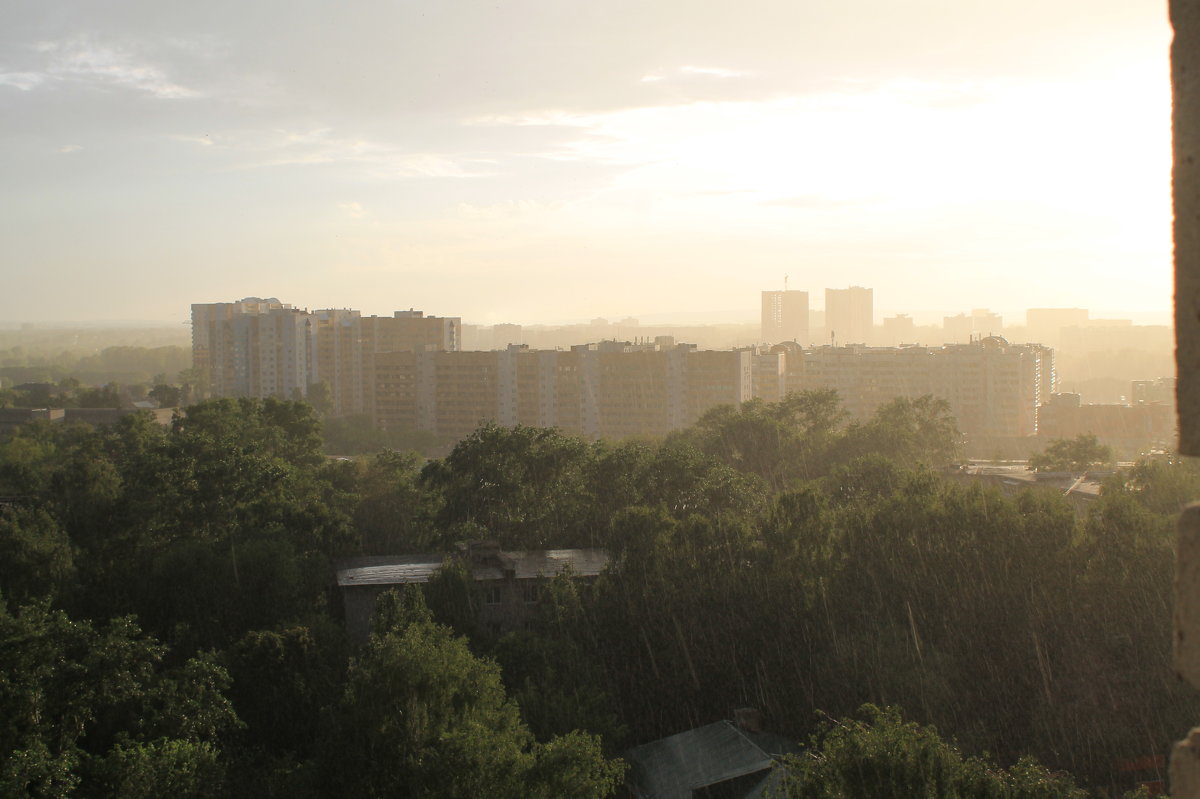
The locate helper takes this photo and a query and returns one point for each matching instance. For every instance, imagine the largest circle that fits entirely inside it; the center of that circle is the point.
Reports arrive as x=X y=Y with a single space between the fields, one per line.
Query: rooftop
x=723 y=754
x=521 y=565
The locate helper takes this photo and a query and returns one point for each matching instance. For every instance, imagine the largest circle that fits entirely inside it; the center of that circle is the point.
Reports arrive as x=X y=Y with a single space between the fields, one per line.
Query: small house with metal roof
x=726 y=759
x=508 y=583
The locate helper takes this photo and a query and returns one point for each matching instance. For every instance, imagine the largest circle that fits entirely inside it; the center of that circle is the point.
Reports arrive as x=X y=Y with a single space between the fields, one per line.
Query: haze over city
x=539 y=162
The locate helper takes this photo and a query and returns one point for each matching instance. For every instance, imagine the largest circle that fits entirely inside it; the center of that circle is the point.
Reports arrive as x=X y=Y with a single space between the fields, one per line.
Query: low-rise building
x=726 y=759
x=1130 y=430
x=12 y=418
x=508 y=585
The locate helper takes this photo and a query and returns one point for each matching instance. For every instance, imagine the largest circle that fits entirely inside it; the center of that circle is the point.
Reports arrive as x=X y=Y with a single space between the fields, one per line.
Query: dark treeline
x=169 y=625
x=119 y=364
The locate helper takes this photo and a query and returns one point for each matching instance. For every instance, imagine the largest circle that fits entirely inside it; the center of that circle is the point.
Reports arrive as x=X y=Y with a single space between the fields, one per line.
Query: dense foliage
x=70 y=376
x=168 y=625
x=885 y=758
x=1072 y=455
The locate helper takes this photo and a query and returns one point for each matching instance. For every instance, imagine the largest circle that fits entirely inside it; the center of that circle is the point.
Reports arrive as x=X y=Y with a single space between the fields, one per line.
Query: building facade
x=609 y=390
x=252 y=348
x=993 y=388
x=264 y=348
x=507 y=586
x=785 y=316
x=849 y=315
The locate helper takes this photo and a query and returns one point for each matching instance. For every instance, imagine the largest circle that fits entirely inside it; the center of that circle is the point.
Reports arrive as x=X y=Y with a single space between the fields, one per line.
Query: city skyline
x=522 y=164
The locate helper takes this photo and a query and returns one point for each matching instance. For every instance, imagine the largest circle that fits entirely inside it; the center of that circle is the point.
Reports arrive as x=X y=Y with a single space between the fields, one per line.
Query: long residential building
x=407 y=372
x=993 y=388
x=609 y=390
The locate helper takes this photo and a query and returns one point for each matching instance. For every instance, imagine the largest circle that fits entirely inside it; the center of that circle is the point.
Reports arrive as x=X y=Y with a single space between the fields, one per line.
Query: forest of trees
x=168 y=624
x=114 y=363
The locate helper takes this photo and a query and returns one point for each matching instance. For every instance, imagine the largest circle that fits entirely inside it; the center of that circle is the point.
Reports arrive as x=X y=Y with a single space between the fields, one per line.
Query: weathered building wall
x=1185 y=63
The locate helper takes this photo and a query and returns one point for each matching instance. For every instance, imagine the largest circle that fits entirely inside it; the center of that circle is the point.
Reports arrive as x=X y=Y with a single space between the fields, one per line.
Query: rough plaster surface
x=1187 y=598
x=1185 y=767
x=1185 y=759
x=1185 y=71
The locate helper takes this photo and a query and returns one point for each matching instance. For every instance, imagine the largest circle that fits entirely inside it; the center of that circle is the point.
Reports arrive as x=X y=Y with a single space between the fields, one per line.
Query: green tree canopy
x=1072 y=455
x=94 y=709
x=884 y=757
x=424 y=717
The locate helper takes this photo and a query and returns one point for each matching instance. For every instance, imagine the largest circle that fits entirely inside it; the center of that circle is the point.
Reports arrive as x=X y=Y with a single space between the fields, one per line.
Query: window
x=491 y=596
x=531 y=593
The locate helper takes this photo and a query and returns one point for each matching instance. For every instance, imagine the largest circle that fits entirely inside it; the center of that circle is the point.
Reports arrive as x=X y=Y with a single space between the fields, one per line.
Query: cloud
x=376 y=158
x=354 y=210
x=82 y=59
x=21 y=80
x=371 y=158
x=817 y=202
x=70 y=148
x=200 y=141
x=713 y=72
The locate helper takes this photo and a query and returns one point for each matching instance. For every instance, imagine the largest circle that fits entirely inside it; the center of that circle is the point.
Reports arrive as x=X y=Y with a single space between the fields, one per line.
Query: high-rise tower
x=785 y=316
x=850 y=315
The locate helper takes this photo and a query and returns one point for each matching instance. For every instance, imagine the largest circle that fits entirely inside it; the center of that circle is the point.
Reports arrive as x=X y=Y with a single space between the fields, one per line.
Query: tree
x=780 y=442
x=524 y=485
x=283 y=686
x=1163 y=485
x=884 y=757
x=320 y=397
x=94 y=707
x=921 y=430
x=107 y=396
x=424 y=717
x=1072 y=455
x=36 y=557
x=395 y=508
x=166 y=396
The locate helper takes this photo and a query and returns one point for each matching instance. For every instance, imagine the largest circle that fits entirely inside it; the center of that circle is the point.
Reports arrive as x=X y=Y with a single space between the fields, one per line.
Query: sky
x=555 y=160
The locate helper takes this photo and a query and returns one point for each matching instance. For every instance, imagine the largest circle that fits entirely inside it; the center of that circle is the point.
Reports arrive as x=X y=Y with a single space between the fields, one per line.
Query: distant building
x=1130 y=430
x=264 y=348
x=253 y=347
x=607 y=390
x=957 y=329
x=1012 y=479
x=849 y=315
x=785 y=316
x=898 y=330
x=1162 y=390
x=506 y=334
x=993 y=388
x=985 y=323
x=769 y=373
x=339 y=358
x=1044 y=325
x=13 y=418
x=961 y=329
x=507 y=584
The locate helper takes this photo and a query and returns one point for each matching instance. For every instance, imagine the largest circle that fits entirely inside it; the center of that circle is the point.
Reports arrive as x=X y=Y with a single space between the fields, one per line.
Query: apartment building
x=1129 y=429
x=993 y=388
x=253 y=348
x=850 y=315
x=339 y=358
x=262 y=348
x=609 y=390
x=406 y=372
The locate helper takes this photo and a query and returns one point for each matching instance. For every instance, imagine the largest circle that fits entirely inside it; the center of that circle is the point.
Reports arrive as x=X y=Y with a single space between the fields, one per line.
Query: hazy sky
x=554 y=160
